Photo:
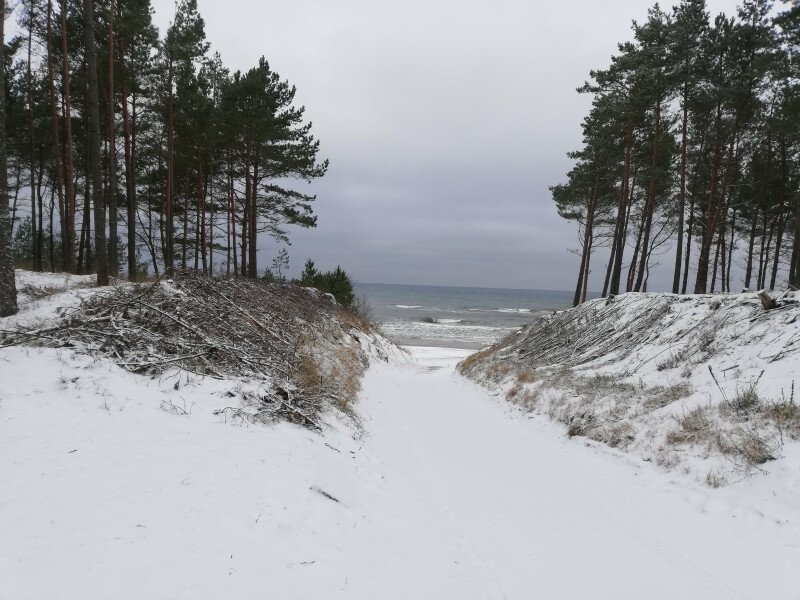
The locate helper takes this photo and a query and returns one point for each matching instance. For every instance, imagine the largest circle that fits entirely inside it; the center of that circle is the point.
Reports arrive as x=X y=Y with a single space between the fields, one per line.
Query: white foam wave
x=406 y=306
x=513 y=310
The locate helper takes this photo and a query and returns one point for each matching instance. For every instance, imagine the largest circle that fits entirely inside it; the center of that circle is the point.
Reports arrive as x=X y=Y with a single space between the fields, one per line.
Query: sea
x=456 y=317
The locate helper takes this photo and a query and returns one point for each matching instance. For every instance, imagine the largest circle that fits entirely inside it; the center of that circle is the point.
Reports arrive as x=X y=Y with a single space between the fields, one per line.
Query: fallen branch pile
x=210 y=326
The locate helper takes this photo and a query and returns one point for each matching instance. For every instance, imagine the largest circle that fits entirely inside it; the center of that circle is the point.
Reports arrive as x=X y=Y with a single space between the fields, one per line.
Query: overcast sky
x=445 y=122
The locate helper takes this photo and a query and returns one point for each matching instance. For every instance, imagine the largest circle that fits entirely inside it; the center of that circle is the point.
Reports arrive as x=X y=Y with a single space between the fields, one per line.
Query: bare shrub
x=745 y=401
x=307 y=374
x=526 y=377
x=497 y=372
x=786 y=417
x=672 y=361
x=473 y=360
x=363 y=309
x=174 y=408
x=618 y=435
x=751 y=446
x=695 y=427
x=715 y=480
x=529 y=398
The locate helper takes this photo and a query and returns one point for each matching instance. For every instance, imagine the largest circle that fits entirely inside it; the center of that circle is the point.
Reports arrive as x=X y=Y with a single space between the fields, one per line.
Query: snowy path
x=451 y=494
x=534 y=515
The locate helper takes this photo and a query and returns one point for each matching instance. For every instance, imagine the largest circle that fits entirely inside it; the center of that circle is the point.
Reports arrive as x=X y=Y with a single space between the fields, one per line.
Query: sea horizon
x=456 y=316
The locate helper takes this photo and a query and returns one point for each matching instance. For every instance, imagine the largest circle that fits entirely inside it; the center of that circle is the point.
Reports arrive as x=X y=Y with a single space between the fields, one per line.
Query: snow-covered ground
x=107 y=490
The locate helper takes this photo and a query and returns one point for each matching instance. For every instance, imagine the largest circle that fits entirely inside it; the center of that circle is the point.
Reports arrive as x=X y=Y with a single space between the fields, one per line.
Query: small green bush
x=335 y=282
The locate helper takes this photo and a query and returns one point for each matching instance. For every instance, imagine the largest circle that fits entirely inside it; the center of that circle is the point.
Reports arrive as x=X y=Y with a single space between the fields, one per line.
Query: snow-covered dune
x=704 y=383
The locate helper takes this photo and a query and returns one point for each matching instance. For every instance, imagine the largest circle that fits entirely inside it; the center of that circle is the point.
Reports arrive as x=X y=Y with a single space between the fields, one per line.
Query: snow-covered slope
x=701 y=383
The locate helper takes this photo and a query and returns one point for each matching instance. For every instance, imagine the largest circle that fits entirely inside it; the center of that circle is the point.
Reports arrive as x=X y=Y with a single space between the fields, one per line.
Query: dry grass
x=307 y=376
x=746 y=401
x=715 y=480
x=353 y=320
x=671 y=362
x=473 y=360
x=786 y=416
x=747 y=441
x=694 y=427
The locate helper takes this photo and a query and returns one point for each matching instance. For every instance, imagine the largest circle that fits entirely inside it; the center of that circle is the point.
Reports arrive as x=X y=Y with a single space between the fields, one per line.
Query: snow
x=41 y=295
x=449 y=494
x=116 y=485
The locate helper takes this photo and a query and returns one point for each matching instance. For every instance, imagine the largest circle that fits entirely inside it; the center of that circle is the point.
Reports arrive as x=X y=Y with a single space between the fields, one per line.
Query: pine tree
x=93 y=158
x=8 y=290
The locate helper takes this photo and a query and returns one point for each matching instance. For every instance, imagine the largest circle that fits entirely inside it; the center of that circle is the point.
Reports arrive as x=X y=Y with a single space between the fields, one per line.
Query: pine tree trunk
x=69 y=170
x=676 y=280
x=232 y=219
x=718 y=252
x=51 y=244
x=113 y=216
x=253 y=247
x=8 y=287
x=635 y=258
x=580 y=290
x=185 y=237
x=211 y=220
x=610 y=265
x=56 y=138
x=130 y=186
x=619 y=242
x=748 y=273
x=203 y=183
x=168 y=197
x=781 y=216
x=40 y=212
x=84 y=244
x=766 y=261
x=17 y=186
x=731 y=246
x=35 y=243
x=101 y=256
x=245 y=213
x=778 y=243
x=794 y=272
x=766 y=244
x=650 y=205
x=688 y=252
